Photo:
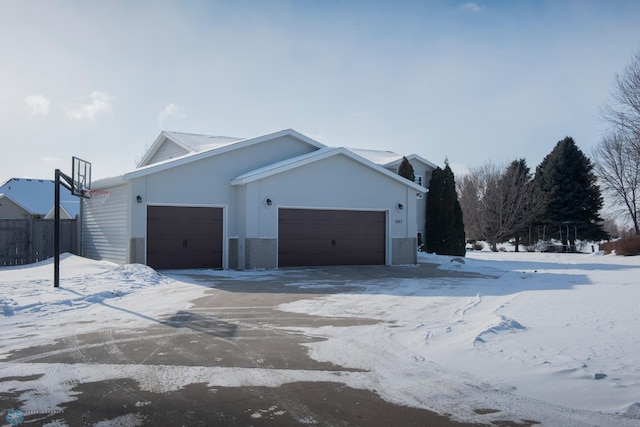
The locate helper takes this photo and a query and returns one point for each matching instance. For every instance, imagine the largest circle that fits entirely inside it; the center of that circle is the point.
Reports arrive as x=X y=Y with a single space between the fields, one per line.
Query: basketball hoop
x=96 y=197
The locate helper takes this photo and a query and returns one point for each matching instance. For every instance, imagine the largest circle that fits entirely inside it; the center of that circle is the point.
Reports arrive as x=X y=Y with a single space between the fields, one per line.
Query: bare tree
x=472 y=189
x=623 y=112
x=499 y=204
x=618 y=166
x=617 y=156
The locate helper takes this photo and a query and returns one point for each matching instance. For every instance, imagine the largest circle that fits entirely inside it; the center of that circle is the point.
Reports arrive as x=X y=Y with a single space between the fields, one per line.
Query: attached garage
x=312 y=237
x=271 y=201
x=184 y=237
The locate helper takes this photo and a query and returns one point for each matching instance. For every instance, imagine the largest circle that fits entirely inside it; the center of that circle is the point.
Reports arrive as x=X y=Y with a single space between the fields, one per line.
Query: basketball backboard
x=80 y=177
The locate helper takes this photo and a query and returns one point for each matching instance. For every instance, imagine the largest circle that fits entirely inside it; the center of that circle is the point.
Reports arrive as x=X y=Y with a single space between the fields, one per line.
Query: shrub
x=628 y=246
x=477 y=246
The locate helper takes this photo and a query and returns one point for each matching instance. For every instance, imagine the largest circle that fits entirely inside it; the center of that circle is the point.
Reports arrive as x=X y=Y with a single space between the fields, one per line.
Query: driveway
x=236 y=324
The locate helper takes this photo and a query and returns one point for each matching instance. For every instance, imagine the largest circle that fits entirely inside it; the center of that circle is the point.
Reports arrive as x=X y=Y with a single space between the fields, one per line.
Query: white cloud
x=171 y=110
x=38 y=104
x=100 y=103
x=470 y=7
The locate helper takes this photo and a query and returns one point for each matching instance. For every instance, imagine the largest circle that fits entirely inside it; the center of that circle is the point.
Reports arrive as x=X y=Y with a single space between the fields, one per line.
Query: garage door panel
x=317 y=231
x=346 y=231
x=184 y=237
x=203 y=231
x=331 y=237
x=172 y=246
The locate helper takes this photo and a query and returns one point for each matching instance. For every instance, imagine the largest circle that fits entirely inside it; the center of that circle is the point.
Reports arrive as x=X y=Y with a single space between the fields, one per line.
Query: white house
x=276 y=200
x=422 y=169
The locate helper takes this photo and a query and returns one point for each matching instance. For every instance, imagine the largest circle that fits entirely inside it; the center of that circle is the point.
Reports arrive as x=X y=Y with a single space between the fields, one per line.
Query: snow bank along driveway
x=551 y=338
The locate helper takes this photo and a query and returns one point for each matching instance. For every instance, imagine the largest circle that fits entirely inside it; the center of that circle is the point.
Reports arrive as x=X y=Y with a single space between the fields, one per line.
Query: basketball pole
x=67 y=182
x=56 y=231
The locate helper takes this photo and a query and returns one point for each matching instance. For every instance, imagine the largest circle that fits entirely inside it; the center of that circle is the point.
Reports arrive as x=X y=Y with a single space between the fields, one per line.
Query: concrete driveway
x=235 y=325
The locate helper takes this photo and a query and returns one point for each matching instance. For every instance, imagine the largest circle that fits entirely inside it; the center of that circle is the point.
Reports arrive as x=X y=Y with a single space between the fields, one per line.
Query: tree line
x=501 y=204
x=498 y=203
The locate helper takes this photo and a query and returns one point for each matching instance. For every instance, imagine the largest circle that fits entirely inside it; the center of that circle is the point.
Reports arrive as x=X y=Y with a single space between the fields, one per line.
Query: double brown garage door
x=192 y=237
x=184 y=237
x=309 y=237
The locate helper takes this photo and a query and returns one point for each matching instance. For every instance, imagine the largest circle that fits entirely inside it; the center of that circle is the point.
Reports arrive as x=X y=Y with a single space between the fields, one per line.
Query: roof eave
x=316 y=156
x=158 y=143
x=413 y=156
x=188 y=158
x=18 y=204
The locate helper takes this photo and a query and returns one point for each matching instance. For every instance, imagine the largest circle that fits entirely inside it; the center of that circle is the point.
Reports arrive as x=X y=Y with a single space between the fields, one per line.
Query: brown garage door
x=184 y=237
x=330 y=237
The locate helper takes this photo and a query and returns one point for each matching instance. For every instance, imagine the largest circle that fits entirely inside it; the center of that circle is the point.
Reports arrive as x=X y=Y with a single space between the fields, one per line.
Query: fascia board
x=300 y=161
x=188 y=158
x=51 y=213
x=302 y=137
x=108 y=182
x=283 y=166
x=412 y=157
x=387 y=172
x=423 y=160
x=18 y=204
x=153 y=150
x=164 y=135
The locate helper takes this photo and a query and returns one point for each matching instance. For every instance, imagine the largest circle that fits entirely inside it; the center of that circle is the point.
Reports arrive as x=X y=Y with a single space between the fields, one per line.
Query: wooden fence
x=25 y=241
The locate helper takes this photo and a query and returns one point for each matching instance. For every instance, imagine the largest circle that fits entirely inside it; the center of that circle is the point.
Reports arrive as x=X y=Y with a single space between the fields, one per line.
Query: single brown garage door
x=184 y=237
x=309 y=237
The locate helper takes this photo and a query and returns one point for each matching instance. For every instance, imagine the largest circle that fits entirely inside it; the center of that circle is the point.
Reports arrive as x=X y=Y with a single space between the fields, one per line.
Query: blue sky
x=467 y=81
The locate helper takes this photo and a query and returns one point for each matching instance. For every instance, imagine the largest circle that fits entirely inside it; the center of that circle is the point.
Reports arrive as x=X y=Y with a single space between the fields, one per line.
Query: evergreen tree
x=444 y=225
x=574 y=199
x=433 y=230
x=405 y=170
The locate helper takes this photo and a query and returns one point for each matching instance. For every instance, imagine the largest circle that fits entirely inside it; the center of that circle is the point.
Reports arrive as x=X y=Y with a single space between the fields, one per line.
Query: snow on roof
x=386 y=158
x=216 y=150
x=197 y=143
x=36 y=196
x=379 y=157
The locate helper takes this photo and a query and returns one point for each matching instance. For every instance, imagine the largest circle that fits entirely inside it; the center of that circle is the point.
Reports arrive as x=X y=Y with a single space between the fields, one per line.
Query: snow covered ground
x=548 y=337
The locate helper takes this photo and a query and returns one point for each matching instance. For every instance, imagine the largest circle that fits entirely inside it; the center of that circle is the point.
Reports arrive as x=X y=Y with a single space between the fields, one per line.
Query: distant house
x=275 y=200
x=23 y=198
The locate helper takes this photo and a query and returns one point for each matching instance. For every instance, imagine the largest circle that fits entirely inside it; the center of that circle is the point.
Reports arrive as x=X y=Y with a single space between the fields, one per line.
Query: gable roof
x=388 y=158
x=7 y=197
x=36 y=196
x=321 y=154
x=217 y=150
x=190 y=142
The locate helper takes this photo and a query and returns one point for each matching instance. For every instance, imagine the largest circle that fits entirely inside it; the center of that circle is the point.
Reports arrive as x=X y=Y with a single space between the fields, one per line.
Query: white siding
x=168 y=150
x=315 y=186
x=105 y=227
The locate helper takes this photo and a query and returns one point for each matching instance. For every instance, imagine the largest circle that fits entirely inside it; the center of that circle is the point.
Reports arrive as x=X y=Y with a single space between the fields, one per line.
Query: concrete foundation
x=137 y=253
x=261 y=253
x=404 y=251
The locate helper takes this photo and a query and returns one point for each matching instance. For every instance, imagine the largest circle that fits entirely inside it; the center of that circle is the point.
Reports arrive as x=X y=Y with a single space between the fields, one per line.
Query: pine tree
x=433 y=229
x=405 y=170
x=574 y=199
x=444 y=225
